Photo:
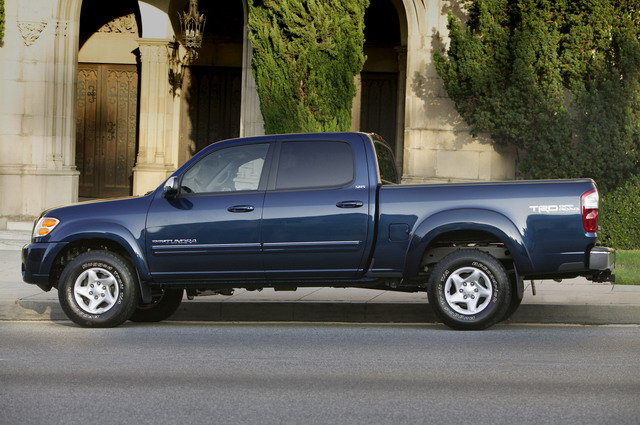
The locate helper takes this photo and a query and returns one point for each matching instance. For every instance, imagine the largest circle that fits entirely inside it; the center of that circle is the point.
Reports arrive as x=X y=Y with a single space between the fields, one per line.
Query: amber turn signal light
x=45 y=226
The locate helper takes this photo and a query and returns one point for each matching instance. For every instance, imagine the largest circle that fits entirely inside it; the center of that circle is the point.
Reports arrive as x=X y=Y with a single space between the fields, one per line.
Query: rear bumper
x=602 y=260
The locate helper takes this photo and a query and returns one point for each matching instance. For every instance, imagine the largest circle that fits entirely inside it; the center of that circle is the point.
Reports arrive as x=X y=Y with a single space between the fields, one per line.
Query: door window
x=309 y=164
x=233 y=169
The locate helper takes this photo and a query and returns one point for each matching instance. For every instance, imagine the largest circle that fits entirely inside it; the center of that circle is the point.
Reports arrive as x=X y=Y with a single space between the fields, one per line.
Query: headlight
x=45 y=226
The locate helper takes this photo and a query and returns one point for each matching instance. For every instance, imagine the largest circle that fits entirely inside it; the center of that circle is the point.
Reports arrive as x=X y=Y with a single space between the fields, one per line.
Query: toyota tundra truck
x=314 y=210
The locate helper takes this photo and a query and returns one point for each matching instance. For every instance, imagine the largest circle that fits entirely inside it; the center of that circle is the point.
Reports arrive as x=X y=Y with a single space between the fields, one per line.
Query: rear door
x=317 y=211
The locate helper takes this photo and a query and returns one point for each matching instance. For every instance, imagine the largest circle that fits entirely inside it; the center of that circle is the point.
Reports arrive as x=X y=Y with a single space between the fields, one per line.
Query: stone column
x=356 y=104
x=37 y=117
x=156 y=135
x=438 y=146
x=402 y=88
x=251 y=121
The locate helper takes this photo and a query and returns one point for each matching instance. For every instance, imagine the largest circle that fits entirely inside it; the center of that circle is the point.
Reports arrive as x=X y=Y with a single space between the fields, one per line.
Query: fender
x=80 y=230
x=466 y=219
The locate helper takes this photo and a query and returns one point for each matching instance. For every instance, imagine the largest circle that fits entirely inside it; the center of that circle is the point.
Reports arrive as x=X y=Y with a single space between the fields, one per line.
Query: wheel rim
x=468 y=291
x=96 y=290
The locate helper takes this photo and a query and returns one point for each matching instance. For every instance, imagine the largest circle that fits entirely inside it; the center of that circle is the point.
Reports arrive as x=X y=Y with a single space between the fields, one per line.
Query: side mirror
x=170 y=188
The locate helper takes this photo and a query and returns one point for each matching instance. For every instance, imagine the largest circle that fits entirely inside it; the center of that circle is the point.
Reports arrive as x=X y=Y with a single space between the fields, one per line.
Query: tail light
x=590 y=202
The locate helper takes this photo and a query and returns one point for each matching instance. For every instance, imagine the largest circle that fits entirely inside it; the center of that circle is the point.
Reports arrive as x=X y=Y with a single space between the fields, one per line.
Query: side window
x=310 y=164
x=386 y=164
x=230 y=169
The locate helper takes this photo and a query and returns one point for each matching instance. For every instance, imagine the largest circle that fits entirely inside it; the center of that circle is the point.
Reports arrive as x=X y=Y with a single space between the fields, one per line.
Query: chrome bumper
x=601 y=258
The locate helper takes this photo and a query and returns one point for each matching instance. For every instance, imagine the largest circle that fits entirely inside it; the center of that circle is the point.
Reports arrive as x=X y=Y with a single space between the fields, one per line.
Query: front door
x=106 y=129
x=211 y=229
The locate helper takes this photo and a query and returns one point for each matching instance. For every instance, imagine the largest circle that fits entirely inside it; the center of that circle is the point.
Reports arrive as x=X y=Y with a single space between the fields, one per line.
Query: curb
x=345 y=312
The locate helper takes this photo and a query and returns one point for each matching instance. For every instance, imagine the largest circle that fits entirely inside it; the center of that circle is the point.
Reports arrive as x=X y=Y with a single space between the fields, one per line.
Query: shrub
x=620 y=218
x=558 y=79
x=305 y=57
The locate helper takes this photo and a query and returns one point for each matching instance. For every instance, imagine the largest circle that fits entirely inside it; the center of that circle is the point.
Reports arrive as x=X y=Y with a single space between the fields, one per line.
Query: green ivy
x=305 y=57
x=619 y=217
x=558 y=79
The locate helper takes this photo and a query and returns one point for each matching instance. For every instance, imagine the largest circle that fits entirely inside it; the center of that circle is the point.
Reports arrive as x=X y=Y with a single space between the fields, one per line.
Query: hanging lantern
x=192 y=29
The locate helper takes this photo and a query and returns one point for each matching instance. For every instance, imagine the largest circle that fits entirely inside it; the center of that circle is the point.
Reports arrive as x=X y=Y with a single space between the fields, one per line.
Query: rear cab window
x=386 y=163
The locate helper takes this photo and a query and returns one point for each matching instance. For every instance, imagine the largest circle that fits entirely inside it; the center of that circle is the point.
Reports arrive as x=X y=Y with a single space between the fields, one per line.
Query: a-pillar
x=156 y=136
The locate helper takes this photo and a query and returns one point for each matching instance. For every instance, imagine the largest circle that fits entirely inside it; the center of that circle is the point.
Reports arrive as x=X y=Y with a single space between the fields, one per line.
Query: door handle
x=241 y=208
x=350 y=204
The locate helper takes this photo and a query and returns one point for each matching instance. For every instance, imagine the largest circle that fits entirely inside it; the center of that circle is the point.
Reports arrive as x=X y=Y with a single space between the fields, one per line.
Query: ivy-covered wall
x=558 y=79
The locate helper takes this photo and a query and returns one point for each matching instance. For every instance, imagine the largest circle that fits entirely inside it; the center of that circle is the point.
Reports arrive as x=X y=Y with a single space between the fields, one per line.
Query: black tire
x=515 y=301
x=469 y=290
x=98 y=289
x=161 y=308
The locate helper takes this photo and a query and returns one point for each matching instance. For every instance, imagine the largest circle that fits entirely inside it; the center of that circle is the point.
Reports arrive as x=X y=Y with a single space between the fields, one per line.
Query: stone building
x=95 y=104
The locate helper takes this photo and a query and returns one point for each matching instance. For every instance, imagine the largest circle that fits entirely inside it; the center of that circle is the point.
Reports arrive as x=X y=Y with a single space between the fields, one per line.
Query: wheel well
x=75 y=248
x=449 y=242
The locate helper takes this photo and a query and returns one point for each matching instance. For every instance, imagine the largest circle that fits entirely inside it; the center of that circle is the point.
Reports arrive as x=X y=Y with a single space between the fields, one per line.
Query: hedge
x=620 y=217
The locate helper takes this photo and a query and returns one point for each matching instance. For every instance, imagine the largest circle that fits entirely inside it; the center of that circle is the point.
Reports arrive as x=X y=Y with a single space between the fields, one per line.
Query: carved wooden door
x=378 y=105
x=211 y=99
x=106 y=129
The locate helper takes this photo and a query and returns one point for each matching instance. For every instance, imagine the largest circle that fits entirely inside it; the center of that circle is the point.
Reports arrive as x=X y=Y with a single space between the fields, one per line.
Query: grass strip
x=628 y=268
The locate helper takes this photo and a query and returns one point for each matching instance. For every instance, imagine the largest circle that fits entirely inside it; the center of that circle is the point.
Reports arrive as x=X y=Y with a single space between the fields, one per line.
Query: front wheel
x=469 y=289
x=98 y=289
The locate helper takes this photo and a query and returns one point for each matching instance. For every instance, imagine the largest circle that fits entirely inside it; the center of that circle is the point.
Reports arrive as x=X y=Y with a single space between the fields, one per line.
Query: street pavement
x=573 y=301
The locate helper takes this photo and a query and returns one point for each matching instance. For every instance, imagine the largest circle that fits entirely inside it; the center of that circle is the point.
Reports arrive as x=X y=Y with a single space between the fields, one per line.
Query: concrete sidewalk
x=575 y=301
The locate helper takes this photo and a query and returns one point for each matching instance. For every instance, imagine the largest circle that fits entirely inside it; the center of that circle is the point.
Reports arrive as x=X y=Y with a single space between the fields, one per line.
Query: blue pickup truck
x=324 y=209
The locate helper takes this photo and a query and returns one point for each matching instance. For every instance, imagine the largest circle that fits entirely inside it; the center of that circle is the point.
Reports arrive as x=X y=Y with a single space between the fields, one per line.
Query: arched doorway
x=382 y=80
x=107 y=98
x=211 y=94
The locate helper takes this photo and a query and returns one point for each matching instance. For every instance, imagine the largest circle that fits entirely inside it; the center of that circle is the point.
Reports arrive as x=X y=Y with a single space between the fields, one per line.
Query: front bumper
x=37 y=262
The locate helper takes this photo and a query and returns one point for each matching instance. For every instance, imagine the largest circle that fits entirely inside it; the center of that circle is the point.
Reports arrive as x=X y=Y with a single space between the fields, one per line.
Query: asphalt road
x=57 y=373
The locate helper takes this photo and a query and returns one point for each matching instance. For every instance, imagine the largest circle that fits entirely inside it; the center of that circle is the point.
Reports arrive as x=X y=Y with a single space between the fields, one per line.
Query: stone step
x=16 y=236
x=26 y=226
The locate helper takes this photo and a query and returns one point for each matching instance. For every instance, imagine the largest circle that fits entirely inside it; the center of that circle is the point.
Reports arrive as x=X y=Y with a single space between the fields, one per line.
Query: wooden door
x=379 y=104
x=211 y=99
x=106 y=129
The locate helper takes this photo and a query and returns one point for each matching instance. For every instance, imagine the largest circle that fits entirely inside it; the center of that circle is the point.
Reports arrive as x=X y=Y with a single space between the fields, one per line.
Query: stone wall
x=38 y=66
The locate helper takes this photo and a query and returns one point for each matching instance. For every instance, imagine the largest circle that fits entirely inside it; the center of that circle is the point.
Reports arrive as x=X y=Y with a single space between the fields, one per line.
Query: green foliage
x=558 y=79
x=620 y=218
x=305 y=57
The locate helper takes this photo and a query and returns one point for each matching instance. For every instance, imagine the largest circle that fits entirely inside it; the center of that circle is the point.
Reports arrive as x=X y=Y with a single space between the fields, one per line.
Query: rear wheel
x=469 y=289
x=515 y=301
x=98 y=289
x=163 y=305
